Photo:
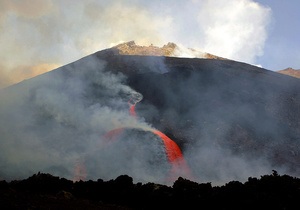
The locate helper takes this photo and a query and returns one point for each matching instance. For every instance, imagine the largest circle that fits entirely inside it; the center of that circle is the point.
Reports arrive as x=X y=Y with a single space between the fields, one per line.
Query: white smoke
x=235 y=29
x=181 y=51
x=56 y=32
x=51 y=122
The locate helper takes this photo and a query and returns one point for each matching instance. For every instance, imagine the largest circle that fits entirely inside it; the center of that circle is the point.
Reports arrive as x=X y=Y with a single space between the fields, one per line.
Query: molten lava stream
x=174 y=154
x=175 y=157
x=132 y=110
x=113 y=134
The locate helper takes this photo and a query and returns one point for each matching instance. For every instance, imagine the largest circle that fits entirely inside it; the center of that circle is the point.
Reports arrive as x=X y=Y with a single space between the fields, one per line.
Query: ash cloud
x=59 y=32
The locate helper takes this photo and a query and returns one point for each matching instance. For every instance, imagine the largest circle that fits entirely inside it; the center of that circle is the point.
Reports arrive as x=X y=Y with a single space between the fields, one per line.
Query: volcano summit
x=169 y=50
x=230 y=120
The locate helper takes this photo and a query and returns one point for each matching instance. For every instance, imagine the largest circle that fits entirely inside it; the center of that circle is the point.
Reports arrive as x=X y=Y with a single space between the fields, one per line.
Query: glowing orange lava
x=173 y=152
x=175 y=157
x=113 y=134
x=132 y=110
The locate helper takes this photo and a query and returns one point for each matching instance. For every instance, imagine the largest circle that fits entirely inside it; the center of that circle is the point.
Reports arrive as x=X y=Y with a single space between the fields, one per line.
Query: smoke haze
x=53 y=32
x=228 y=121
x=57 y=119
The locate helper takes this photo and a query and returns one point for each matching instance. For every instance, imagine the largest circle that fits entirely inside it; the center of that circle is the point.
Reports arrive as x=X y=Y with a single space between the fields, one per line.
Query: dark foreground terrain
x=44 y=191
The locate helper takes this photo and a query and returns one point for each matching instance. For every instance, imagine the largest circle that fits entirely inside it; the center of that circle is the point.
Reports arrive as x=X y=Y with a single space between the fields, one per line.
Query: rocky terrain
x=170 y=50
x=291 y=72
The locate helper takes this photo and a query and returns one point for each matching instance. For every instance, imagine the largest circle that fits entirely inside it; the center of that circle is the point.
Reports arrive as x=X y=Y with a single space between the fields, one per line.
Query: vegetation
x=44 y=191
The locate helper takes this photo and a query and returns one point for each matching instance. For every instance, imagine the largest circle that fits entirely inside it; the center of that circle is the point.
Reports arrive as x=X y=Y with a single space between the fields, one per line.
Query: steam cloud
x=54 y=33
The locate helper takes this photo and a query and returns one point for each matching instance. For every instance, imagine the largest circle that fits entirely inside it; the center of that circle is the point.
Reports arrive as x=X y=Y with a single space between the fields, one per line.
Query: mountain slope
x=231 y=120
x=291 y=72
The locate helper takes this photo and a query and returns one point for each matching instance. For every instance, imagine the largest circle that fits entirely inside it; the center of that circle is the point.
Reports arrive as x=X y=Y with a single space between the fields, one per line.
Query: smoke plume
x=58 y=119
x=50 y=32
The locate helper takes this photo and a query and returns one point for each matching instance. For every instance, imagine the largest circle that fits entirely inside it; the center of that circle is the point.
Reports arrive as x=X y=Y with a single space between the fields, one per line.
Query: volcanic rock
x=230 y=119
x=170 y=50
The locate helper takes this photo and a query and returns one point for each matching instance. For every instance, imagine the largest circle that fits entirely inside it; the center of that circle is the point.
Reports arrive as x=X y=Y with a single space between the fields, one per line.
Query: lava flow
x=173 y=153
x=175 y=157
x=172 y=150
x=132 y=110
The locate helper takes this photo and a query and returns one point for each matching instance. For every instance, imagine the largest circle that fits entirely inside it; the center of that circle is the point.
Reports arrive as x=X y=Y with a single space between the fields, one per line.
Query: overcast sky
x=39 y=35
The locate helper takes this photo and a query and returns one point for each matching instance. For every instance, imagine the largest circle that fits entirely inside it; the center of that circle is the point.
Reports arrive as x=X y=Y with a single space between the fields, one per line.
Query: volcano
x=230 y=120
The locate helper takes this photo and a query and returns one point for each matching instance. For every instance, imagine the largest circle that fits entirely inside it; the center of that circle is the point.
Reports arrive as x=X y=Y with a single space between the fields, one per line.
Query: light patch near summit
x=167 y=50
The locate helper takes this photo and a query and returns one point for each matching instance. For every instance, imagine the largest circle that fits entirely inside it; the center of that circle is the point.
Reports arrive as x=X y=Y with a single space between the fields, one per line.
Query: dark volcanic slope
x=231 y=119
x=251 y=111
